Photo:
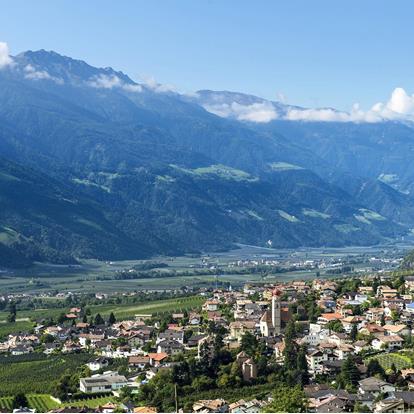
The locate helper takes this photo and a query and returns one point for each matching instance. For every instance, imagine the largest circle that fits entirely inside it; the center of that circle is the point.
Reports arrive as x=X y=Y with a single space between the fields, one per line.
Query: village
x=344 y=345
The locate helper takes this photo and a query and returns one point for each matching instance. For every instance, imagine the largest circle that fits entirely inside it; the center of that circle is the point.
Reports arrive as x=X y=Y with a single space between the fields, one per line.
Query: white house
x=107 y=382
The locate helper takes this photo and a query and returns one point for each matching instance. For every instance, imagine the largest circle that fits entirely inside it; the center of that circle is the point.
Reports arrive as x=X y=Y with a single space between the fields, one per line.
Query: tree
x=202 y=383
x=249 y=344
x=354 y=332
x=11 y=317
x=335 y=326
x=349 y=373
x=20 y=400
x=289 y=353
x=302 y=366
x=61 y=318
x=382 y=320
x=99 y=320
x=375 y=368
x=111 y=319
x=287 y=400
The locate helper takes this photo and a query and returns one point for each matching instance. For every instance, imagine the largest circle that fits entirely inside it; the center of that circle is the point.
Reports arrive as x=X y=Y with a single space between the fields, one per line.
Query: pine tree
x=99 y=320
x=111 y=319
x=349 y=373
x=289 y=353
x=354 y=332
x=302 y=366
x=375 y=368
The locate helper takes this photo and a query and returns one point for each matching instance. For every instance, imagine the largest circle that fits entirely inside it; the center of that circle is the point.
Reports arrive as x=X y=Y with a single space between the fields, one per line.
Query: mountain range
x=94 y=164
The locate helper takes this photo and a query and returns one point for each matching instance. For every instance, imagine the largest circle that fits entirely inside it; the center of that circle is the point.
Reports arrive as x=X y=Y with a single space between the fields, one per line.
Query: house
x=401 y=329
x=98 y=364
x=387 y=342
x=194 y=319
x=360 y=346
x=144 y=410
x=343 y=351
x=21 y=350
x=136 y=341
x=211 y=305
x=138 y=361
x=110 y=381
x=374 y=386
x=408 y=398
x=325 y=318
x=156 y=359
x=390 y=405
x=51 y=347
x=239 y=328
x=242 y=406
x=210 y=406
x=171 y=334
x=315 y=360
x=374 y=314
x=170 y=347
x=195 y=339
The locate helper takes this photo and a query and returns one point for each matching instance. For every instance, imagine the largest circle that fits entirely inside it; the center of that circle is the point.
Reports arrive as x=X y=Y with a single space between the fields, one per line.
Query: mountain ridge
x=165 y=176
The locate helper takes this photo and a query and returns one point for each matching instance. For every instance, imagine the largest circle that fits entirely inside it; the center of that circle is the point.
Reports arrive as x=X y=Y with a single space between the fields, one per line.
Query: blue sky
x=316 y=53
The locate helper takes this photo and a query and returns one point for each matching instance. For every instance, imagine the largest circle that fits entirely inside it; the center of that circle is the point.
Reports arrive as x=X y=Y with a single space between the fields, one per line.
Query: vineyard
x=120 y=311
x=36 y=373
x=92 y=402
x=399 y=360
x=19 y=326
x=42 y=403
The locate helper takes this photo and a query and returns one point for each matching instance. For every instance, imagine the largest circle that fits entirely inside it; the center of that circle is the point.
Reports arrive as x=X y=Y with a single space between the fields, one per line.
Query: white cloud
x=5 y=58
x=34 y=74
x=256 y=112
x=112 y=81
x=399 y=107
x=151 y=83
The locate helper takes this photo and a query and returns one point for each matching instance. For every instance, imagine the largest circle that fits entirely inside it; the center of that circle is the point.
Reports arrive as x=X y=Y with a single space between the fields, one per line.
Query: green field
x=19 y=326
x=6 y=403
x=92 y=402
x=42 y=403
x=35 y=373
x=120 y=311
x=401 y=361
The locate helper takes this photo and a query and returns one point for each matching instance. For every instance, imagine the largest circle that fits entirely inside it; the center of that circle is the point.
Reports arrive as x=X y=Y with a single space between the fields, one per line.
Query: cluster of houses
x=366 y=323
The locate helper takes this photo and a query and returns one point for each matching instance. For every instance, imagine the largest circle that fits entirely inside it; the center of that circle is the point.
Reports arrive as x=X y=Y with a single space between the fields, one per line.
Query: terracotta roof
x=143 y=410
x=158 y=356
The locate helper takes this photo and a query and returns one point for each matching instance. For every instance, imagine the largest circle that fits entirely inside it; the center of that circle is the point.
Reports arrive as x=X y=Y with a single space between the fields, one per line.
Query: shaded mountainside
x=100 y=166
x=42 y=220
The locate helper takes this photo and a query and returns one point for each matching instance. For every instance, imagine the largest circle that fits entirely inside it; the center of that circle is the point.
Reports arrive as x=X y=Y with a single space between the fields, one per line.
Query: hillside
x=102 y=166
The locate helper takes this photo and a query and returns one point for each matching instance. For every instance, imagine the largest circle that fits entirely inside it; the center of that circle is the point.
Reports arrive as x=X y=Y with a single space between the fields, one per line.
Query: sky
x=311 y=53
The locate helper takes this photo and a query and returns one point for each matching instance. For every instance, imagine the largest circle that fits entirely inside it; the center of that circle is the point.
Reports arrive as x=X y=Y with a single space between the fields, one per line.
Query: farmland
x=8 y=328
x=401 y=361
x=91 y=275
x=121 y=311
x=36 y=373
x=43 y=403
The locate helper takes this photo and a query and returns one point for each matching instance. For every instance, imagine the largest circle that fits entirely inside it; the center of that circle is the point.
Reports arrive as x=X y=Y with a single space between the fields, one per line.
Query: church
x=270 y=322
